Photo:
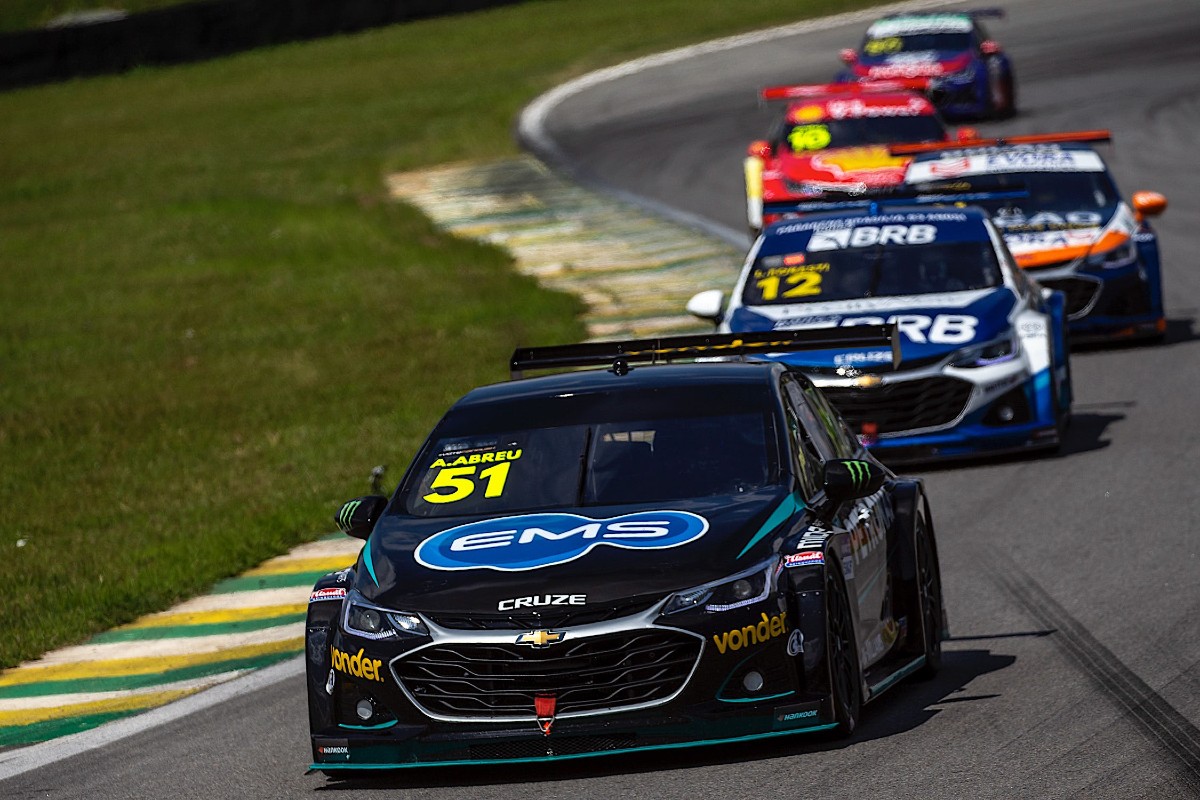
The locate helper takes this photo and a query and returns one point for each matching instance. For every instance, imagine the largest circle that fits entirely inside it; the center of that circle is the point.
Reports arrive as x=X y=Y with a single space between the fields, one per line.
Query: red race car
x=834 y=138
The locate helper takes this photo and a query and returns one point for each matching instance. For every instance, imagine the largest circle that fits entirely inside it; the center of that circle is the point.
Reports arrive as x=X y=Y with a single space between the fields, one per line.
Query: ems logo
x=533 y=541
x=541 y=639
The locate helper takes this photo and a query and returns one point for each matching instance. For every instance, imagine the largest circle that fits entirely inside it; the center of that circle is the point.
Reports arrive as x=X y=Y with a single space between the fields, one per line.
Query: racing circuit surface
x=1072 y=582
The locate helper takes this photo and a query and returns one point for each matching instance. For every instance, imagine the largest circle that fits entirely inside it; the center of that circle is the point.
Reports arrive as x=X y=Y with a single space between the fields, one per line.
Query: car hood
x=470 y=564
x=932 y=326
x=926 y=64
x=1042 y=238
x=871 y=166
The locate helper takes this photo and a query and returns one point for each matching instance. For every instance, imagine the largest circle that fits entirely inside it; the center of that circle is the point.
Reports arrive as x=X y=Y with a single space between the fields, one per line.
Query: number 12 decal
x=804 y=284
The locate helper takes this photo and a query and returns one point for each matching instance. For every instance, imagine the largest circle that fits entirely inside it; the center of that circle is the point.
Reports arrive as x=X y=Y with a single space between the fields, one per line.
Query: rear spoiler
x=806 y=90
x=950 y=191
x=1065 y=137
x=617 y=356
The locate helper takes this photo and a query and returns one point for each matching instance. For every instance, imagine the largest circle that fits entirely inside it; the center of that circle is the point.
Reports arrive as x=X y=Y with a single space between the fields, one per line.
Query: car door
x=865 y=554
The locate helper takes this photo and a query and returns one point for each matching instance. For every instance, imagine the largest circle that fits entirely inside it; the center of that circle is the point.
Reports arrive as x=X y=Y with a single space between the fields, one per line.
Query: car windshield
x=916 y=42
x=807 y=138
x=595 y=450
x=1059 y=192
x=876 y=271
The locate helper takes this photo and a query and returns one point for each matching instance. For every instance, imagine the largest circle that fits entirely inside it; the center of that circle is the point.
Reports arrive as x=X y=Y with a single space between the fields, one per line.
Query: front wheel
x=845 y=675
x=929 y=590
x=1002 y=91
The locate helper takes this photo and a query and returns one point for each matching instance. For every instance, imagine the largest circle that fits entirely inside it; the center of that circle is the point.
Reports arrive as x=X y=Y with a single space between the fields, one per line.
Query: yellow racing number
x=804 y=284
x=462 y=483
x=809 y=137
x=879 y=47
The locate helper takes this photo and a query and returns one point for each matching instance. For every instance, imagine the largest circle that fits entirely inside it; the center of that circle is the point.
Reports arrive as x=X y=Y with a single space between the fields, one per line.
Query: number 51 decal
x=462 y=482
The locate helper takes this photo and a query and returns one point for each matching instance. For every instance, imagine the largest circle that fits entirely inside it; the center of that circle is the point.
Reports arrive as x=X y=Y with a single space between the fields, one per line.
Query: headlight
x=372 y=622
x=1119 y=256
x=983 y=355
x=742 y=589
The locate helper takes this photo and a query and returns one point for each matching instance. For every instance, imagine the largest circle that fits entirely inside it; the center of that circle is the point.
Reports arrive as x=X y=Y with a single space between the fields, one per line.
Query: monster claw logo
x=860 y=473
x=347 y=513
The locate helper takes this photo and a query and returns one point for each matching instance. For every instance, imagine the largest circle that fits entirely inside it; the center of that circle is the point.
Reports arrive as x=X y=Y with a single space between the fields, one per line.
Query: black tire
x=929 y=595
x=1004 y=101
x=845 y=674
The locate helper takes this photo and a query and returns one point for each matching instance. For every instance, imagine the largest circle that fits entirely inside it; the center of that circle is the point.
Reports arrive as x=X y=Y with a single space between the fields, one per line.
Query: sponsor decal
x=333 y=593
x=919 y=328
x=541 y=639
x=869 y=357
x=357 y=665
x=855 y=108
x=797 y=714
x=540 y=600
x=870 y=235
x=860 y=473
x=533 y=541
x=765 y=630
x=333 y=750
x=870 y=531
x=346 y=514
x=814 y=538
x=926 y=23
x=795 y=643
x=804 y=559
x=853 y=162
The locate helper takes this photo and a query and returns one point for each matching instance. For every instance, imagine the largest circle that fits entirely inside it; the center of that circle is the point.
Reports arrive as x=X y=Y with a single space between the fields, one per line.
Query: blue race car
x=983 y=364
x=968 y=72
x=1072 y=232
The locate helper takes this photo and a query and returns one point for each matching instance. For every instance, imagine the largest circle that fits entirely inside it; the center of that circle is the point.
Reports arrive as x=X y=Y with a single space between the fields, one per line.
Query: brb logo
x=533 y=541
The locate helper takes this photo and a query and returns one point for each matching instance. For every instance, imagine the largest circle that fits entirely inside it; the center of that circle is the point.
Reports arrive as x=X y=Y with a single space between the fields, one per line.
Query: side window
x=806 y=460
x=813 y=427
x=845 y=443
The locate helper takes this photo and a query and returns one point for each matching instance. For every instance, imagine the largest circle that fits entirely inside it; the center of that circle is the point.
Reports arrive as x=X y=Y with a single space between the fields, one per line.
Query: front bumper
x=442 y=700
x=949 y=413
x=1120 y=303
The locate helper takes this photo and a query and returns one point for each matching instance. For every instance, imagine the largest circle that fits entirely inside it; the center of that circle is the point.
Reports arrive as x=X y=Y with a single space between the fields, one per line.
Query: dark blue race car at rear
x=624 y=559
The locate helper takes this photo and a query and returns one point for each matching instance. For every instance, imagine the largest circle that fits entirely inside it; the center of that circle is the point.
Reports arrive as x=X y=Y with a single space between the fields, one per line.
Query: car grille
x=901 y=406
x=593 y=674
x=1081 y=293
x=551 y=617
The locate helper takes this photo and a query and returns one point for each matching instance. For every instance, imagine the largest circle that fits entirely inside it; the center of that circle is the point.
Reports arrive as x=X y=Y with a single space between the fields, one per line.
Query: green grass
x=213 y=322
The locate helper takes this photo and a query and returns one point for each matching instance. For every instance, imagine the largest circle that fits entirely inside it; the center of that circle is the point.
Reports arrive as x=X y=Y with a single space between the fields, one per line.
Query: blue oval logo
x=533 y=541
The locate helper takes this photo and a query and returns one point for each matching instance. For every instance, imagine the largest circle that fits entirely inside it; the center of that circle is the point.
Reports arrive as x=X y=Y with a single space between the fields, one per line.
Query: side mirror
x=357 y=518
x=966 y=134
x=990 y=48
x=707 y=305
x=850 y=479
x=759 y=148
x=848 y=56
x=1149 y=204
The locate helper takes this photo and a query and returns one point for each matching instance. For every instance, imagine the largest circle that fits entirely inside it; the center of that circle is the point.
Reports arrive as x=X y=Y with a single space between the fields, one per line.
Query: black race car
x=641 y=557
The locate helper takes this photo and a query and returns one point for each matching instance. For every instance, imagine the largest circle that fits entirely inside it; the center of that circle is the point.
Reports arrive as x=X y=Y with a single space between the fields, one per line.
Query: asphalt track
x=1073 y=582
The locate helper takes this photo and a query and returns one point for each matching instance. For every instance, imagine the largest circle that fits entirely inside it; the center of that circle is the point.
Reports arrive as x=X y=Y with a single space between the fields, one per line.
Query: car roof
x=639 y=378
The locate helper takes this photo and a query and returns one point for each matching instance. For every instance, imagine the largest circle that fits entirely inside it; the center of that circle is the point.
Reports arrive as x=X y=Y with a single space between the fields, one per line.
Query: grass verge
x=212 y=321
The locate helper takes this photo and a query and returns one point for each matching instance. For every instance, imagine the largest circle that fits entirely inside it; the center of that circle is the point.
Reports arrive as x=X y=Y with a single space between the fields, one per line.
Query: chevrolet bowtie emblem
x=867 y=381
x=541 y=638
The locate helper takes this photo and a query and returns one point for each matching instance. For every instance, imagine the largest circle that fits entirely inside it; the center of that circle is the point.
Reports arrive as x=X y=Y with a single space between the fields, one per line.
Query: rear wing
x=617 y=356
x=1065 y=137
x=810 y=90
